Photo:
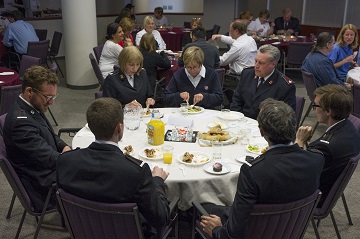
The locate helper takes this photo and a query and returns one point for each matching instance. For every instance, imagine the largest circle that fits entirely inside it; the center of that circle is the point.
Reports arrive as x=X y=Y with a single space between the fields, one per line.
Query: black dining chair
x=54 y=49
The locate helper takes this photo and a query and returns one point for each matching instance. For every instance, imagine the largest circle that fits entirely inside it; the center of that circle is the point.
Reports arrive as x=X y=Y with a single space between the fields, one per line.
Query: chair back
x=288 y=220
x=55 y=43
x=39 y=49
x=216 y=29
x=41 y=34
x=97 y=70
x=9 y=95
x=297 y=52
x=337 y=189
x=355 y=120
x=310 y=84
x=90 y=219
x=187 y=24
x=300 y=102
x=356 y=97
x=97 y=52
x=26 y=62
x=221 y=74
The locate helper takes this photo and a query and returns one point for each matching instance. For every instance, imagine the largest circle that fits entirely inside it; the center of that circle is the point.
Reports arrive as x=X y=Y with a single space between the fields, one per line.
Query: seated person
x=125 y=12
x=195 y=84
x=152 y=60
x=340 y=142
x=127 y=26
x=272 y=176
x=287 y=23
x=211 y=53
x=342 y=53
x=32 y=146
x=317 y=62
x=149 y=26
x=187 y=37
x=160 y=19
x=132 y=12
x=111 y=50
x=247 y=16
x=261 y=82
x=130 y=85
x=120 y=178
x=261 y=25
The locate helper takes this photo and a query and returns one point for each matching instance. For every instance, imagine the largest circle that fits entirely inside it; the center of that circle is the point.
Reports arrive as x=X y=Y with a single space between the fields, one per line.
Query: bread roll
x=215 y=130
x=225 y=137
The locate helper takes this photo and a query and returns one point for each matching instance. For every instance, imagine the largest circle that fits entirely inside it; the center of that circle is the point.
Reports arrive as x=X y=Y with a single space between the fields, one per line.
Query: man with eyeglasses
x=340 y=142
x=32 y=146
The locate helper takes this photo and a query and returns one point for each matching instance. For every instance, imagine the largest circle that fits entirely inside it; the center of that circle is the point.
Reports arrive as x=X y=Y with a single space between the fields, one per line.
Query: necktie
x=260 y=81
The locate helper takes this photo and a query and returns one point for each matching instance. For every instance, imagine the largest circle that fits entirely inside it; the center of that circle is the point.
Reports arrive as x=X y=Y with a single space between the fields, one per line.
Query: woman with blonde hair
x=195 y=83
x=187 y=37
x=130 y=84
x=149 y=26
x=152 y=60
x=127 y=26
x=247 y=16
x=342 y=53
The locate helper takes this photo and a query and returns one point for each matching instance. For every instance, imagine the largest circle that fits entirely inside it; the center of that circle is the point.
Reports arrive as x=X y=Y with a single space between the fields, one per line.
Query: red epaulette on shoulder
x=288 y=80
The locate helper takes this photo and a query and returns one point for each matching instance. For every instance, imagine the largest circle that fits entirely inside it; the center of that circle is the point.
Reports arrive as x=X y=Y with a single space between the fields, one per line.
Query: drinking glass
x=184 y=108
x=167 y=154
x=132 y=117
x=216 y=149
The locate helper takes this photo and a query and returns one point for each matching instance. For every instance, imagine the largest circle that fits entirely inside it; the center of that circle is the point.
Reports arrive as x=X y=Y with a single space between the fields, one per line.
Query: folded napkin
x=180 y=121
x=6 y=73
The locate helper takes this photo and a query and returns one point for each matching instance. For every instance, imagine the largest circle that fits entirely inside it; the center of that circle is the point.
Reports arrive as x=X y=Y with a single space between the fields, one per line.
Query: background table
x=172 y=37
x=353 y=76
x=197 y=184
x=169 y=72
x=6 y=80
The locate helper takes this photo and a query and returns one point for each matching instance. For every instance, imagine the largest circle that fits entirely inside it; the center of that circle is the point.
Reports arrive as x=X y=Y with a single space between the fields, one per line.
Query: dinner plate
x=231 y=116
x=209 y=169
x=122 y=147
x=200 y=158
x=158 y=153
x=222 y=125
x=193 y=112
x=255 y=148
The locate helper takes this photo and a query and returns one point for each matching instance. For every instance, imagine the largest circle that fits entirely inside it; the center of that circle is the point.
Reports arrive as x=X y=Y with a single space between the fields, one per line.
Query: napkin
x=6 y=73
x=180 y=121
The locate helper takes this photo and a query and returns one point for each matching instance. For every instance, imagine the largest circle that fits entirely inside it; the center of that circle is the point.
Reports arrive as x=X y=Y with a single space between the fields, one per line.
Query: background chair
x=356 y=122
x=120 y=220
x=273 y=221
x=300 y=102
x=54 y=49
x=221 y=75
x=9 y=94
x=40 y=50
x=42 y=34
x=297 y=51
x=97 y=70
x=21 y=194
x=97 y=52
x=214 y=30
x=310 y=85
x=336 y=191
x=356 y=97
x=25 y=63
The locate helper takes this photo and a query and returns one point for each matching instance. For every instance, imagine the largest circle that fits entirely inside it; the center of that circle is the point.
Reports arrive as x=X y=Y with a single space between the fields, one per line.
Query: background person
x=287 y=23
x=160 y=19
x=187 y=37
x=247 y=16
x=195 y=84
x=132 y=12
x=127 y=25
x=120 y=178
x=272 y=176
x=125 y=12
x=130 y=85
x=111 y=50
x=149 y=26
x=32 y=146
x=261 y=26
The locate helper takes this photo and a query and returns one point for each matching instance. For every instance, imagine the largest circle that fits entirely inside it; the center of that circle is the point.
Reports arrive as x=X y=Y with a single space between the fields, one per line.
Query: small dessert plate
x=209 y=169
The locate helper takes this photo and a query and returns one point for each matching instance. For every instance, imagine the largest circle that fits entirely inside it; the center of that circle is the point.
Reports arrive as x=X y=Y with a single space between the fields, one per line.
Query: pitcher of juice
x=155 y=129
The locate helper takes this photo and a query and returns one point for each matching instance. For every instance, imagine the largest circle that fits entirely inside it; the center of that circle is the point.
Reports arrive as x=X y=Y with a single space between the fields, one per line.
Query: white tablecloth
x=196 y=184
x=353 y=76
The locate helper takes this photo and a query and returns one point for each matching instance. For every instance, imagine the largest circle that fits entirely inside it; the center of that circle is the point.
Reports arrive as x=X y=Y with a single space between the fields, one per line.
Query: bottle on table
x=155 y=129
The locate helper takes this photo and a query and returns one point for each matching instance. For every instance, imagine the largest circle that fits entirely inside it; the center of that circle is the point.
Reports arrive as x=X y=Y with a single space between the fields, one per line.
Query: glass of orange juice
x=167 y=154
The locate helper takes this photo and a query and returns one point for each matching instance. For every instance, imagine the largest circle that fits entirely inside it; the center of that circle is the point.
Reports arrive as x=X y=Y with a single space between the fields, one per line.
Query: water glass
x=167 y=154
x=244 y=136
x=132 y=117
x=184 y=107
x=216 y=149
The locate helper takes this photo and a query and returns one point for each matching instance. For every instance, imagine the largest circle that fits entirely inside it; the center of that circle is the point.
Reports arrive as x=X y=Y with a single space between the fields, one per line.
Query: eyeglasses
x=191 y=68
x=48 y=97
x=314 y=106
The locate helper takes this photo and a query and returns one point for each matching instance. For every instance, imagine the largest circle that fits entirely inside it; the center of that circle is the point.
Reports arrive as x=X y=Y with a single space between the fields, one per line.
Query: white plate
x=275 y=43
x=231 y=116
x=222 y=125
x=87 y=126
x=209 y=168
x=122 y=147
x=199 y=158
x=191 y=113
x=261 y=147
x=242 y=159
x=158 y=153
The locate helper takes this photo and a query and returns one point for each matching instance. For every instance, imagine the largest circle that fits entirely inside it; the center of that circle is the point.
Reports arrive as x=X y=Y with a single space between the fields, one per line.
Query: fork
x=182 y=168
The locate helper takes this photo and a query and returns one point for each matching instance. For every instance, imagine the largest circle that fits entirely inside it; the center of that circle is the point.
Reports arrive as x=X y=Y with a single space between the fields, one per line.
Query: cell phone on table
x=249 y=158
x=200 y=209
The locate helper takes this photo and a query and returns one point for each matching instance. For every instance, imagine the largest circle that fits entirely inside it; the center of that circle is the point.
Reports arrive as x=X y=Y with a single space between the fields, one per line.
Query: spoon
x=182 y=168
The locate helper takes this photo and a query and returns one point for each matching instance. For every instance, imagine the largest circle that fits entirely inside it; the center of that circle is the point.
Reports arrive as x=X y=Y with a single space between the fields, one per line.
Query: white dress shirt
x=157 y=36
x=256 y=25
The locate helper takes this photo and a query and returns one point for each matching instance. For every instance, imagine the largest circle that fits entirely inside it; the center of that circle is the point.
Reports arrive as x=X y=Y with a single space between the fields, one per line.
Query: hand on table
x=198 y=97
x=185 y=96
x=160 y=172
x=209 y=223
x=303 y=135
x=133 y=103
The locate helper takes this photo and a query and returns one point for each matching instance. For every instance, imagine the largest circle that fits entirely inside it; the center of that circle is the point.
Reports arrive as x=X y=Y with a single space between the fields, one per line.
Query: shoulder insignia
x=288 y=80
x=257 y=160
x=313 y=150
x=22 y=115
x=326 y=138
x=134 y=160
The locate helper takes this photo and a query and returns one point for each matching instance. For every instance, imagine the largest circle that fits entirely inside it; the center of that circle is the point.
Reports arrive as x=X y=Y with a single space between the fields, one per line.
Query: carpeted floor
x=69 y=110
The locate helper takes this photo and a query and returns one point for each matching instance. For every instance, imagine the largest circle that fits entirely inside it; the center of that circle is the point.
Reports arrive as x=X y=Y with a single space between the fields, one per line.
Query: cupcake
x=217 y=167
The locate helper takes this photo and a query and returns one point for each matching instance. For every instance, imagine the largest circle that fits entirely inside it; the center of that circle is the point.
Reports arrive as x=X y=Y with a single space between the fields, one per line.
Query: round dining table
x=8 y=77
x=187 y=181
